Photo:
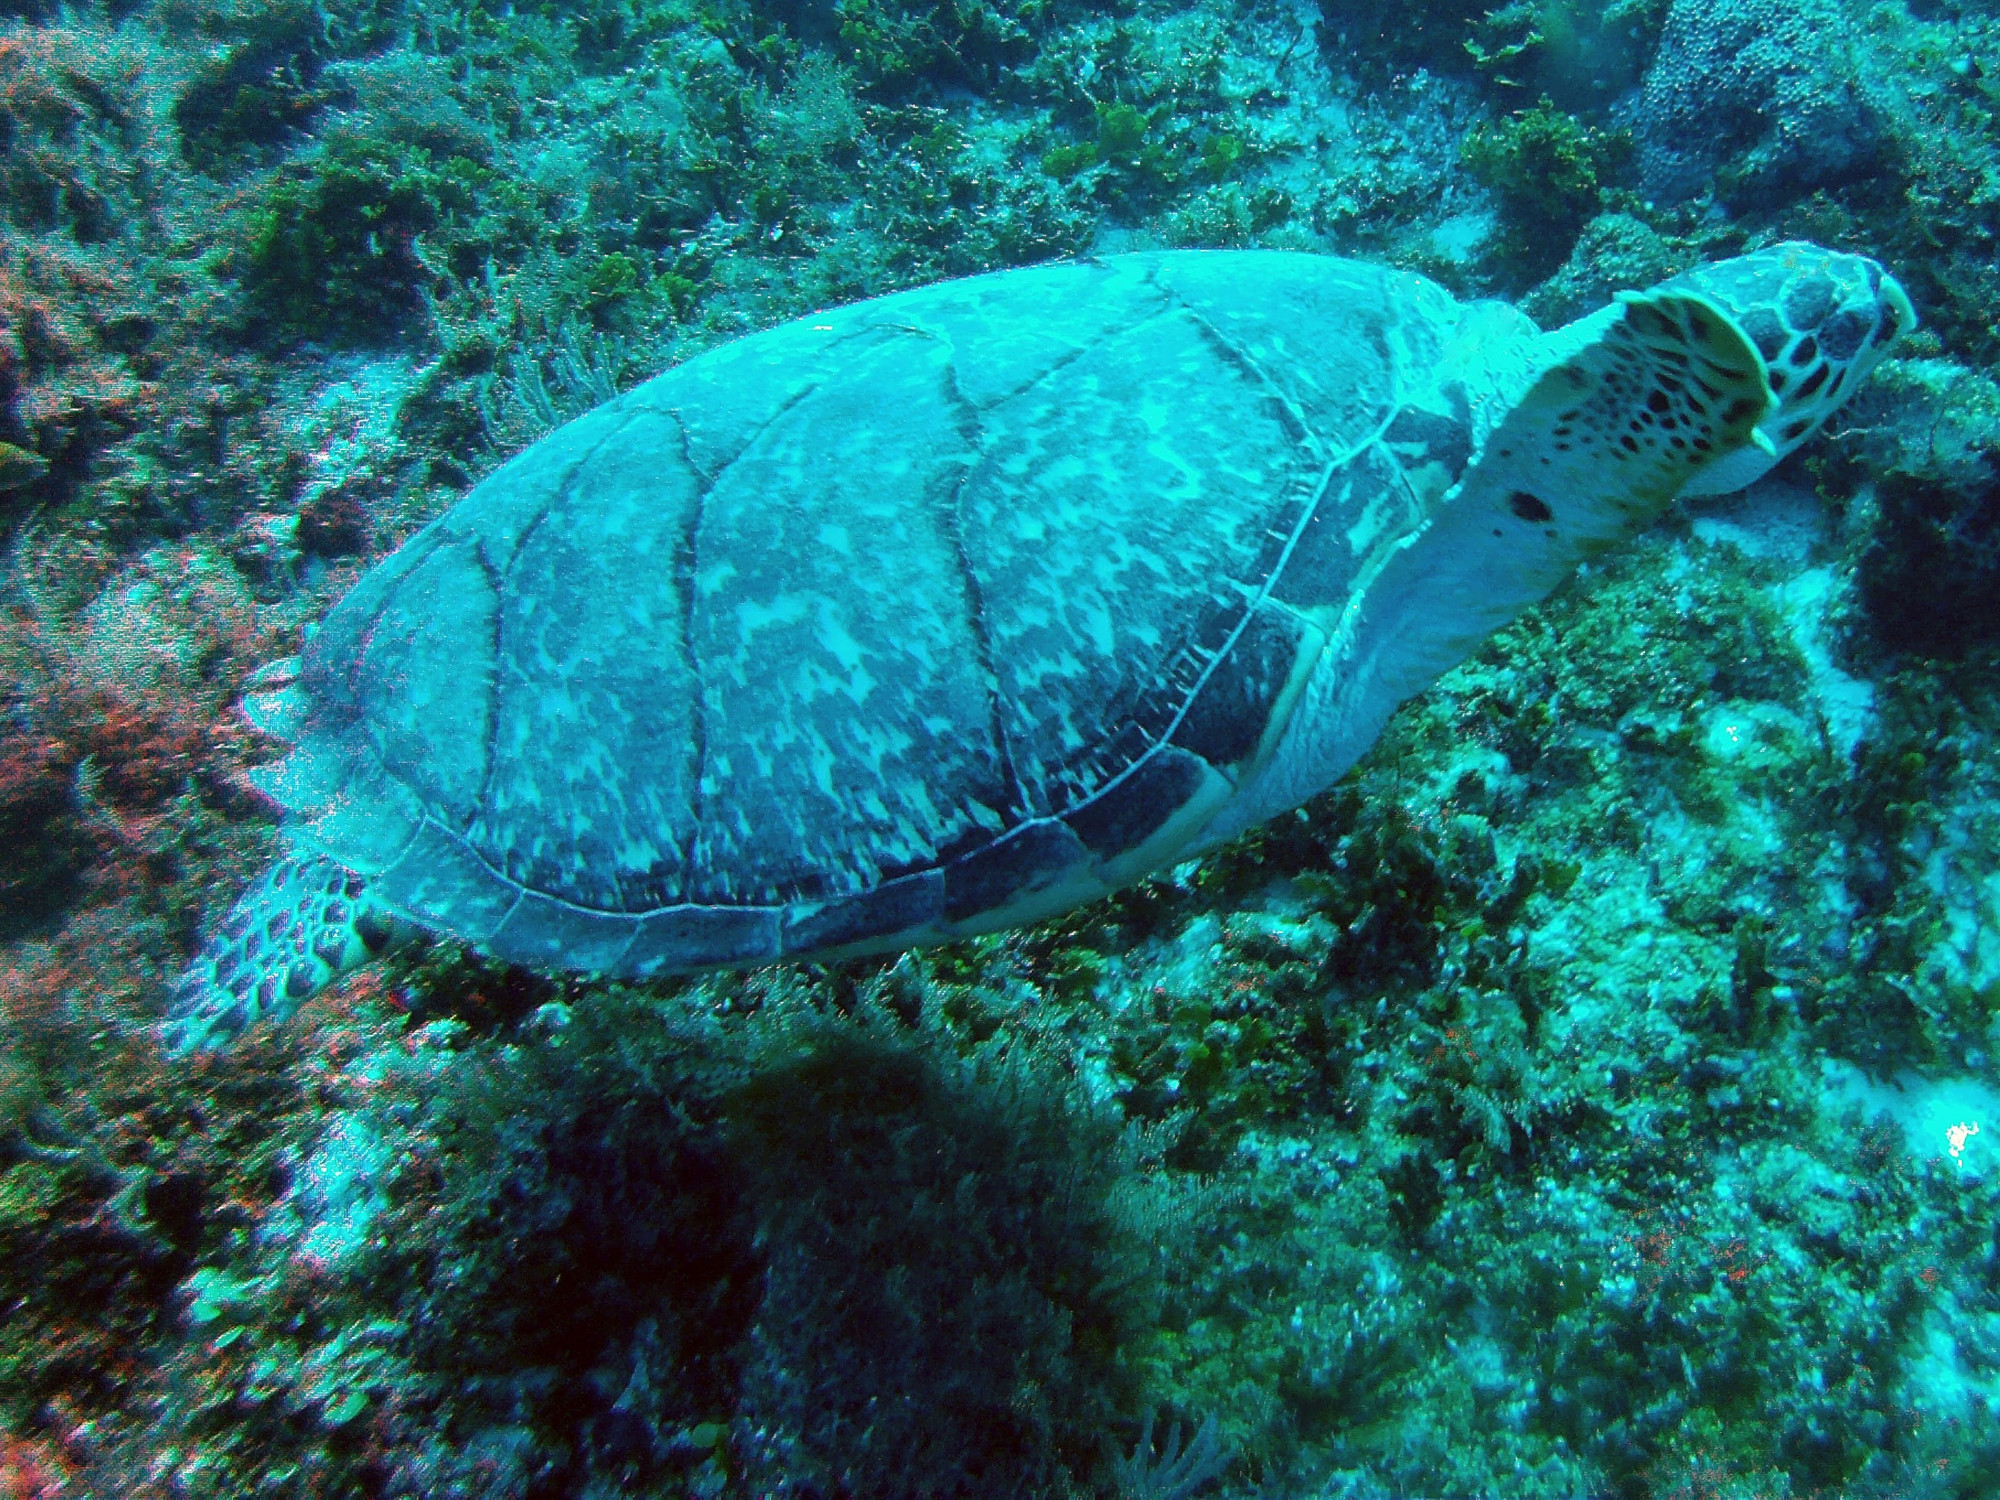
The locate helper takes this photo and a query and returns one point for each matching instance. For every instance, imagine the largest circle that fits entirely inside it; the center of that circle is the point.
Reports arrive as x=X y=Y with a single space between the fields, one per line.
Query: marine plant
x=1493 y=1153
x=1551 y=173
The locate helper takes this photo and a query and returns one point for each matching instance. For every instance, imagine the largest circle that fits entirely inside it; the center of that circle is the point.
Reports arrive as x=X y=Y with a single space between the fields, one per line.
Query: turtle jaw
x=1819 y=320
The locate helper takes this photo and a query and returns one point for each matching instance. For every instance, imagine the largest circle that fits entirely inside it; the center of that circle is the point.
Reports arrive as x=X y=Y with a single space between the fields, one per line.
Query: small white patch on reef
x=1758 y=735
x=1956 y=1120
x=352 y=427
x=342 y=1188
x=1959 y=870
x=1787 y=525
x=1846 y=703
x=142 y=630
x=1769 y=520
x=1942 y=1392
x=1458 y=238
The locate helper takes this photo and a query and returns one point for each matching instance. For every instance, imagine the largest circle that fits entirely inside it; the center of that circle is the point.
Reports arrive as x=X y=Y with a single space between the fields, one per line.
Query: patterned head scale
x=1820 y=319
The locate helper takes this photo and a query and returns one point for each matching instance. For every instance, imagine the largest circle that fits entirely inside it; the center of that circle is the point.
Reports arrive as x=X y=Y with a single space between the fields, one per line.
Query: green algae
x=20 y=467
x=334 y=252
x=1551 y=172
x=1485 y=1133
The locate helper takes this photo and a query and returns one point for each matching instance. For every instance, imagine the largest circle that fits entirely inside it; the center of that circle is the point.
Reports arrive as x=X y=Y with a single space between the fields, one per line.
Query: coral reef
x=1575 y=1101
x=1748 y=98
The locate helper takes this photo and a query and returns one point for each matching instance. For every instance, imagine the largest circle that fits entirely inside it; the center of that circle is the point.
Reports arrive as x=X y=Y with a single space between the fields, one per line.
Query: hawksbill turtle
x=950 y=610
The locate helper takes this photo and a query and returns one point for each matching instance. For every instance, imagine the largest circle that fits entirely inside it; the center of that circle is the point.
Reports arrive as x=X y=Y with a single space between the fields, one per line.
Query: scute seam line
x=689 y=856
x=1306 y=513
x=1248 y=362
x=563 y=901
x=1261 y=594
x=1289 y=416
x=1063 y=361
x=951 y=518
x=565 y=491
x=366 y=634
x=687 y=559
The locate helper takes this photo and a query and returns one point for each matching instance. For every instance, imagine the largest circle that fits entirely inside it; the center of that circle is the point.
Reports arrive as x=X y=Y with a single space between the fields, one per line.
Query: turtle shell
x=912 y=619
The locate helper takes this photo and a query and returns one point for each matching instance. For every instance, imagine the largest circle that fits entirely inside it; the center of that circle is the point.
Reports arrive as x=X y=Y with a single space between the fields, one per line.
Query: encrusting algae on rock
x=1584 y=1096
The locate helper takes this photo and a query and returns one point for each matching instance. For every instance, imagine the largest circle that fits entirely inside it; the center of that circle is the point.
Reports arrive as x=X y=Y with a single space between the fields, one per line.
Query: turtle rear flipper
x=298 y=927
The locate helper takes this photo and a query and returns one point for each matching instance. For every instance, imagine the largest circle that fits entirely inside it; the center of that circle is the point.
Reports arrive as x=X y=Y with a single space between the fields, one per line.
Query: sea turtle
x=949 y=610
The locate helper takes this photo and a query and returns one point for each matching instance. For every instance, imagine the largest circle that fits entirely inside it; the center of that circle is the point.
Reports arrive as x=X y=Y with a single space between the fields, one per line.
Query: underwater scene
x=1093 y=749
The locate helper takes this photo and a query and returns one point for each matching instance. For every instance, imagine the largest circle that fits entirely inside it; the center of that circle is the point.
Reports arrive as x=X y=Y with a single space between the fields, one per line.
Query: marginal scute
x=540 y=931
x=689 y=937
x=1025 y=860
x=366 y=821
x=308 y=781
x=438 y=879
x=1226 y=717
x=1367 y=503
x=1132 y=809
x=279 y=709
x=908 y=904
x=1418 y=438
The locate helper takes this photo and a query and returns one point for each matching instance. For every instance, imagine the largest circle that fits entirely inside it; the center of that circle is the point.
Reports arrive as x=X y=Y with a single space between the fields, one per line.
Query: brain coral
x=1754 y=96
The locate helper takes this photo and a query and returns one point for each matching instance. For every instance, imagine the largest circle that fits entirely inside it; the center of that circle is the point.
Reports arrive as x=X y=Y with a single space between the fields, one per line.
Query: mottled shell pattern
x=951 y=610
x=910 y=620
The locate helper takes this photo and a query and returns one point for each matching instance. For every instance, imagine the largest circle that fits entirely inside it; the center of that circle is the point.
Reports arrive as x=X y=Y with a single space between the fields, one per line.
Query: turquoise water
x=1590 y=1092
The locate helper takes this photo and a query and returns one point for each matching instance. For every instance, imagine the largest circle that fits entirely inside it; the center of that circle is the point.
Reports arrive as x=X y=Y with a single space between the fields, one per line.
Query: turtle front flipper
x=1619 y=412
x=298 y=927
x=1632 y=404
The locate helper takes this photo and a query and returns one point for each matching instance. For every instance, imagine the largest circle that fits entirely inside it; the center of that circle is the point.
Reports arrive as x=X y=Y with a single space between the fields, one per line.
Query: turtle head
x=1820 y=319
